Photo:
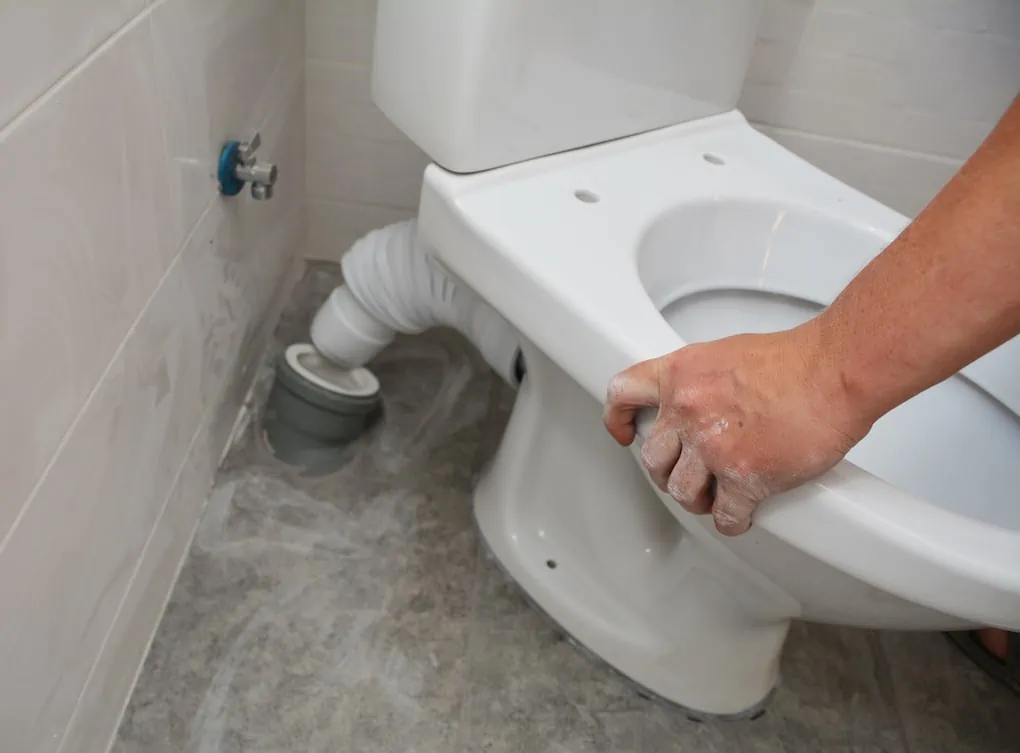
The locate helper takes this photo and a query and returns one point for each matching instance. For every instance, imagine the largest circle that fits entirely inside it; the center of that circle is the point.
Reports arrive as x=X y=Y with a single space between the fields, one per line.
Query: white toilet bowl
x=616 y=253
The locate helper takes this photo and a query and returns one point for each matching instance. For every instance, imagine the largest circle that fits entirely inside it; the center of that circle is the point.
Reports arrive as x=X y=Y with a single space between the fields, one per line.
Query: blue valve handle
x=230 y=184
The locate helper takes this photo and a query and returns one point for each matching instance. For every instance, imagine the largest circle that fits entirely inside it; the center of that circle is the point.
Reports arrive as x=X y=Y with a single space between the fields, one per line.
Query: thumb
x=732 y=509
x=630 y=391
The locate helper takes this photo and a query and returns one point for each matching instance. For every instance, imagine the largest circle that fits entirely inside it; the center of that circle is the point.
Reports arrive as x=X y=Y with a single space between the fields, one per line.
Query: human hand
x=738 y=419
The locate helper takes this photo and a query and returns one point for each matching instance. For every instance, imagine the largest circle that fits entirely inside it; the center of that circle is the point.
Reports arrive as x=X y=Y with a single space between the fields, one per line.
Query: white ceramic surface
x=883 y=65
x=721 y=230
x=482 y=83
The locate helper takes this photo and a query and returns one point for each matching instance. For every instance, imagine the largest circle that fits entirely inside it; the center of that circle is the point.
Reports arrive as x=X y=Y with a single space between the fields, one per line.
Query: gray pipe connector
x=316 y=408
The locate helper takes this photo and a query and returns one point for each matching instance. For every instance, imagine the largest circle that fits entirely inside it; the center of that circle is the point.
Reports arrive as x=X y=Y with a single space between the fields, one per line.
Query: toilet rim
x=860 y=524
x=605 y=321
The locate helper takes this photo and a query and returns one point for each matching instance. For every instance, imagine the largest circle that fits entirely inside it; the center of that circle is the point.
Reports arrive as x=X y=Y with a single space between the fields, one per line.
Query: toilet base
x=571 y=519
x=755 y=711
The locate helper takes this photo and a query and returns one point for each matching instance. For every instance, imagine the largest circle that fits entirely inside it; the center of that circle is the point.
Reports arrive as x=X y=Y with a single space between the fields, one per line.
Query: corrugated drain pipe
x=323 y=398
x=391 y=285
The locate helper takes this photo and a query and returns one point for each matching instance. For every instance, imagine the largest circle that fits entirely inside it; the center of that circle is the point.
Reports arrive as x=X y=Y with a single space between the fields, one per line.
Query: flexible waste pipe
x=391 y=285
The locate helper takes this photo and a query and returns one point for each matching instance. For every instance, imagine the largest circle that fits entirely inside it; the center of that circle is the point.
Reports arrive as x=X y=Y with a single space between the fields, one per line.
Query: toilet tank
x=483 y=83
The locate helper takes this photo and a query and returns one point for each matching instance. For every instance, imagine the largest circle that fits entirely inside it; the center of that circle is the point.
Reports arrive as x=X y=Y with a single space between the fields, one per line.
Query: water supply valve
x=238 y=165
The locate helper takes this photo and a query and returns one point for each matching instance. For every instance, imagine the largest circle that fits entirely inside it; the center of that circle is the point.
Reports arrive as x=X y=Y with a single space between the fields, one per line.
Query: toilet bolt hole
x=582 y=194
x=713 y=159
x=551 y=564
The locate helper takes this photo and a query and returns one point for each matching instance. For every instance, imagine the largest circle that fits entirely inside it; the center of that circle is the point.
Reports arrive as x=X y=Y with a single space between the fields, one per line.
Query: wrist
x=850 y=396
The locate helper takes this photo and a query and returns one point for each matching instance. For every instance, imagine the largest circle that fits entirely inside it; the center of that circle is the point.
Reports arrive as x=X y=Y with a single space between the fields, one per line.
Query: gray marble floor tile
x=947 y=704
x=359 y=612
x=832 y=691
x=646 y=730
x=497 y=597
x=527 y=665
x=499 y=728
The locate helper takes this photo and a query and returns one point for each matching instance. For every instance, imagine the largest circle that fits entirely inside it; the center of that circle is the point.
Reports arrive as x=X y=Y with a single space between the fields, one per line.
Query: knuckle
x=677 y=490
x=649 y=460
x=742 y=471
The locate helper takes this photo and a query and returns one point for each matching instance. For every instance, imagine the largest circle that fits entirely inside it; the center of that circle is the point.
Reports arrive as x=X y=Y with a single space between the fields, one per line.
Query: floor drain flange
x=316 y=408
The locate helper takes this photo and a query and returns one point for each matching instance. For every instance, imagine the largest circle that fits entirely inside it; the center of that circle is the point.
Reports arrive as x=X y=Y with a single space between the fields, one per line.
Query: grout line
x=347 y=65
x=155 y=629
x=357 y=204
x=414 y=152
x=928 y=156
x=53 y=89
x=205 y=424
x=177 y=260
x=127 y=591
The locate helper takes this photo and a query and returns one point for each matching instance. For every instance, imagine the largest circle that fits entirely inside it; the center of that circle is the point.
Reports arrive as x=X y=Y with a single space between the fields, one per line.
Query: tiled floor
x=358 y=613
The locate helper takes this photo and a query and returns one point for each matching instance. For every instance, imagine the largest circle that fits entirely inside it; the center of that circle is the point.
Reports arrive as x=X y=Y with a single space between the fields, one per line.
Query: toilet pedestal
x=570 y=516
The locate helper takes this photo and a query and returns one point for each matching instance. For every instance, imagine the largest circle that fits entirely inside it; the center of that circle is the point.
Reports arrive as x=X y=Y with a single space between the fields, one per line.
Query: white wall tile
x=236 y=258
x=895 y=73
x=867 y=122
x=897 y=178
x=217 y=62
x=234 y=275
x=1003 y=16
x=334 y=226
x=41 y=40
x=84 y=238
x=844 y=79
x=958 y=15
x=364 y=171
x=94 y=722
x=340 y=102
x=115 y=345
x=66 y=565
x=341 y=31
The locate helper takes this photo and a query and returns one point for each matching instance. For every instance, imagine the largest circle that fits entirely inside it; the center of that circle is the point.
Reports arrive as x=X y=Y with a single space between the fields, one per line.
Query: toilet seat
x=552 y=244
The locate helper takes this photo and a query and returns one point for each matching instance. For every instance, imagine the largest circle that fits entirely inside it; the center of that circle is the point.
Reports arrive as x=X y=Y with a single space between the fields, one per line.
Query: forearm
x=945 y=292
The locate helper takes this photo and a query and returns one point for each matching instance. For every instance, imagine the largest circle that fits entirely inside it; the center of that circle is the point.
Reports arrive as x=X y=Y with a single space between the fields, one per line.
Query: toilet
x=593 y=183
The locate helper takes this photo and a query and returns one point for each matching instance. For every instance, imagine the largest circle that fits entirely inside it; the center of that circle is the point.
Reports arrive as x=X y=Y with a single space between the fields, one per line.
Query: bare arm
x=944 y=293
x=747 y=416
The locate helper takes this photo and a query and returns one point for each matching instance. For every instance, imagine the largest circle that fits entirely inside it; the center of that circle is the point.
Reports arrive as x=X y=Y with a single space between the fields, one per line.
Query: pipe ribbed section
x=391 y=285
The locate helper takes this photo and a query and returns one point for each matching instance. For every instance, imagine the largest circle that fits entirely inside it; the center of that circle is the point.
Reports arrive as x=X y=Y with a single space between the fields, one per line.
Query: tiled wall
x=888 y=95
x=133 y=301
x=362 y=172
